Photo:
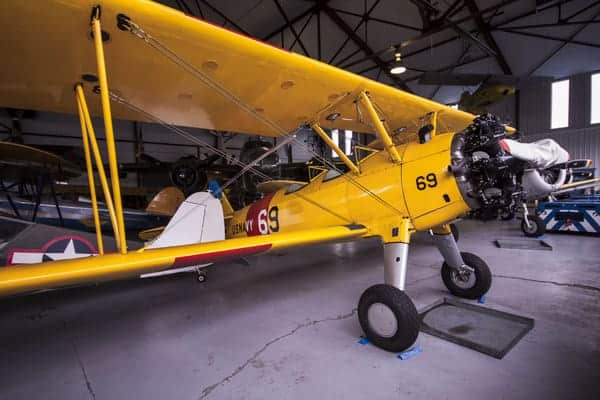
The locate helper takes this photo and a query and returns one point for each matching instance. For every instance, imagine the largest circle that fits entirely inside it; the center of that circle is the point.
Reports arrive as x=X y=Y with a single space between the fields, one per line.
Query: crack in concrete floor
x=521 y=278
x=208 y=390
x=88 y=384
x=572 y=285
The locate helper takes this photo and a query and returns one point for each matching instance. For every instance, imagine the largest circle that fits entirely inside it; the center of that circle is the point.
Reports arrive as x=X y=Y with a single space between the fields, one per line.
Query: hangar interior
x=285 y=324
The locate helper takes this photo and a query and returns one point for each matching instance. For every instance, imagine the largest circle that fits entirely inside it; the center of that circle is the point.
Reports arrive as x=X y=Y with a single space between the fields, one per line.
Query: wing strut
x=108 y=127
x=379 y=127
x=87 y=139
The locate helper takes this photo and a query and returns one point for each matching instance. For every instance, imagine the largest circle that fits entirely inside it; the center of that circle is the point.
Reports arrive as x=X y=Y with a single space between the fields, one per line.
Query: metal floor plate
x=479 y=328
x=522 y=244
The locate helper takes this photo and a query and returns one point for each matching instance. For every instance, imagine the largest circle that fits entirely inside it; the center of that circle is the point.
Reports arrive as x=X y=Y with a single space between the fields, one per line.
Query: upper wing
x=54 y=274
x=47 y=49
x=18 y=160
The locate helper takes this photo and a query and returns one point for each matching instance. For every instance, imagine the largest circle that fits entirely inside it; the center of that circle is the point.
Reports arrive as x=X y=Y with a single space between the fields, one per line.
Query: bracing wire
x=186 y=135
x=140 y=33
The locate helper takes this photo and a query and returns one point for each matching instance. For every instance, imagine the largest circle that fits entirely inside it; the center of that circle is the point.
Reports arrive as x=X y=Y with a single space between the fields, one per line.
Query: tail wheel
x=388 y=317
x=469 y=282
x=536 y=226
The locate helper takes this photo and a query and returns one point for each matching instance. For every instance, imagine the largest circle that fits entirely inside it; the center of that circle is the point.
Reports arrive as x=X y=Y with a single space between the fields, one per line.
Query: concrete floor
x=285 y=327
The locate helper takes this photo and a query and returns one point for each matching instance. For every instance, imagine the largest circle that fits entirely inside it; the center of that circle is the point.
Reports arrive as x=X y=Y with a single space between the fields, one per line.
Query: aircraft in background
x=491 y=88
x=29 y=191
x=167 y=67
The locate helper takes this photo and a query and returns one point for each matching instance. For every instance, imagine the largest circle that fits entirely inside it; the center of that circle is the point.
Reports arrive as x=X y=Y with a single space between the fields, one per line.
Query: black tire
x=403 y=310
x=472 y=288
x=455 y=232
x=186 y=175
x=507 y=215
x=537 y=227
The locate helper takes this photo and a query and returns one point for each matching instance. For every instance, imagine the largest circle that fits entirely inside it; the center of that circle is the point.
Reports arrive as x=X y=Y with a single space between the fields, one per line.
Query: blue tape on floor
x=364 y=341
x=481 y=300
x=410 y=353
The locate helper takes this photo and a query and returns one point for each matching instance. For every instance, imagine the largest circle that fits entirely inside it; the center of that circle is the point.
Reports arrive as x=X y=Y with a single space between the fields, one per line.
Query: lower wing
x=51 y=275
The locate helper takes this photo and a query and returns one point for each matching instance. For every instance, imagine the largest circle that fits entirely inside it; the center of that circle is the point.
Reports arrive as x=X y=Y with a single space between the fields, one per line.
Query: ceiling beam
x=484 y=29
x=452 y=66
x=199 y=9
x=220 y=14
x=297 y=18
x=450 y=11
x=553 y=38
x=434 y=30
x=404 y=55
x=427 y=10
x=363 y=45
x=363 y=19
x=582 y=10
x=552 y=25
x=535 y=11
x=291 y=26
x=559 y=48
x=184 y=7
x=297 y=39
x=380 y=20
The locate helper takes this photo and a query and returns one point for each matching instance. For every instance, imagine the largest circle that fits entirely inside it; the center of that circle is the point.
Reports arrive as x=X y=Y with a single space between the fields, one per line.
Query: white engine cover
x=199 y=219
x=541 y=154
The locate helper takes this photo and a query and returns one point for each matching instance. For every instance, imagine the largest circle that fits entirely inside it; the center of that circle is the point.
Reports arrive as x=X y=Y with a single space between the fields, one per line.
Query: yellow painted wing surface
x=47 y=49
x=275 y=185
x=54 y=274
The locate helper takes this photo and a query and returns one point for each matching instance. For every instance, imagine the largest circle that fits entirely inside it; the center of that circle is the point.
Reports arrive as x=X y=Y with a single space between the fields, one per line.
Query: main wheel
x=471 y=283
x=536 y=226
x=388 y=317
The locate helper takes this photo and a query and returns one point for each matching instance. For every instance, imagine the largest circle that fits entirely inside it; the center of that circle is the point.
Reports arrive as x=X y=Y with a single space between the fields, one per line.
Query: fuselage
x=420 y=187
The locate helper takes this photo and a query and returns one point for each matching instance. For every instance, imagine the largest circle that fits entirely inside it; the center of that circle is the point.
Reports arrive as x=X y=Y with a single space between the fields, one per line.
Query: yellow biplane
x=139 y=60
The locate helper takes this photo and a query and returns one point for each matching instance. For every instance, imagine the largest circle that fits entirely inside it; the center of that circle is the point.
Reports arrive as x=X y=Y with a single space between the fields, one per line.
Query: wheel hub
x=464 y=277
x=382 y=320
x=531 y=227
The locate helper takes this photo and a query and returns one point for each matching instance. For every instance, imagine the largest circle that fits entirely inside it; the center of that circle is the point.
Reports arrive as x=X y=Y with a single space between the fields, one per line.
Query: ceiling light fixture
x=397 y=68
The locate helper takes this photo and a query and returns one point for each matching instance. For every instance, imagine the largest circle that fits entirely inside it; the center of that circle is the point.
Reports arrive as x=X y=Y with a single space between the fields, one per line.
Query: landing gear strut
x=387 y=315
x=532 y=225
x=470 y=281
x=464 y=274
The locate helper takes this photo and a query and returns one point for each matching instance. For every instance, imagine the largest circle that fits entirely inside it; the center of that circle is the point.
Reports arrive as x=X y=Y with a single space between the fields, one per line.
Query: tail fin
x=198 y=219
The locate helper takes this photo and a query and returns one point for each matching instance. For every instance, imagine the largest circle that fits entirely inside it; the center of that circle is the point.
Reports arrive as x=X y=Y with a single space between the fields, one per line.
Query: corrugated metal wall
x=581 y=139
